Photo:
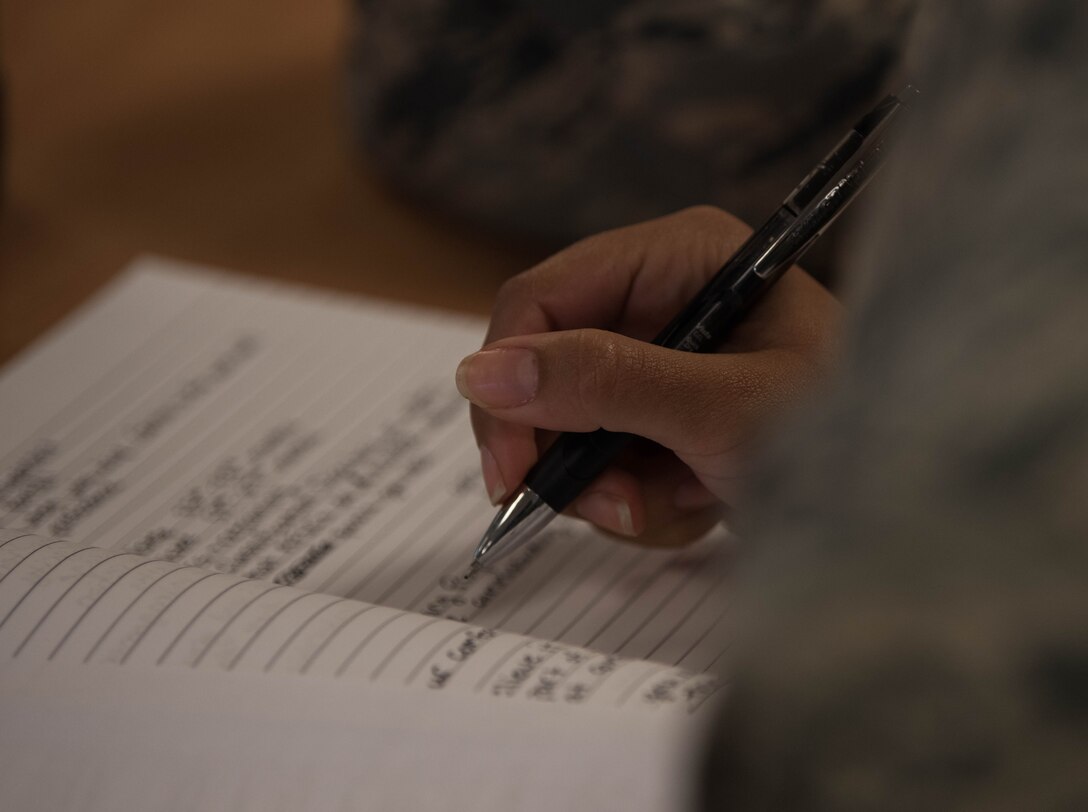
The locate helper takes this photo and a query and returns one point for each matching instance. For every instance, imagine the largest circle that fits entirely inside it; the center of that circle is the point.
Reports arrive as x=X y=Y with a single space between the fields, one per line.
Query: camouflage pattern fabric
x=914 y=630
x=558 y=118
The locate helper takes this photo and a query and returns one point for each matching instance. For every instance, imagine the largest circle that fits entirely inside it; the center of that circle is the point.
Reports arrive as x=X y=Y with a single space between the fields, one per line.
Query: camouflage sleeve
x=916 y=626
x=558 y=118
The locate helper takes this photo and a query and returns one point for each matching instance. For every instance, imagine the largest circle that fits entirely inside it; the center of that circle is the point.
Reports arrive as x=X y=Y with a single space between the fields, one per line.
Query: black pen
x=575 y=459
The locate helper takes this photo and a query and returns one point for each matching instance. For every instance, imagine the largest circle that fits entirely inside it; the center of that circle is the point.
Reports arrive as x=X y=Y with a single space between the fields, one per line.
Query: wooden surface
x=211 y=130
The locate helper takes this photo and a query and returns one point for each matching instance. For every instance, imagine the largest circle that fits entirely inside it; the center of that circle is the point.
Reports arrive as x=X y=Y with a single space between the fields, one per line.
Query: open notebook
x=204 y=473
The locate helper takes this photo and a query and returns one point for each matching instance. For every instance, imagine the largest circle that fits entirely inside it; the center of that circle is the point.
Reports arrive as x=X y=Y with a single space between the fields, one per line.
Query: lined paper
x=303 y=441
x=66 y=603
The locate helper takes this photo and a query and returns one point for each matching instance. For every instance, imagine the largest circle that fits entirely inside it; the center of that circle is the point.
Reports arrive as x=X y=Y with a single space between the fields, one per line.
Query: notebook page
x=104 y=738
x=65 y=603
x=313 y=441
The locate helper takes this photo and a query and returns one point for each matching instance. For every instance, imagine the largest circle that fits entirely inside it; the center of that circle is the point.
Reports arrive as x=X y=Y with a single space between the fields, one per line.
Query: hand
x=567 y=350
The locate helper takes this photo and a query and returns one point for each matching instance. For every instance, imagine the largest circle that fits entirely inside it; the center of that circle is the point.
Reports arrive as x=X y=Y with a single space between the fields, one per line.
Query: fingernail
x=496 y=488
x=499 y=379
x=607 y=511
x=693 y=495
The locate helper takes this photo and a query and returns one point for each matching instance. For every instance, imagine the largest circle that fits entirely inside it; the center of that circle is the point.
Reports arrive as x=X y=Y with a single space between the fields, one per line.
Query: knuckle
x=715 y=221
x=597 y=371
x=611 y=374
x=707 y=214
x=514 y=291
x=713 y=234
x=703 y=211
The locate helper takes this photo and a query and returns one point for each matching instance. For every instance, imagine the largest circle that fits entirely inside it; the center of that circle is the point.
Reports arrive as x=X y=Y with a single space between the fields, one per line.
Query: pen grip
x=572 y=462
x=577 y=458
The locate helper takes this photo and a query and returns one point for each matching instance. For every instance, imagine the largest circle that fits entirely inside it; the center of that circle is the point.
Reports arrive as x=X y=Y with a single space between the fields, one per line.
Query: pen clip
x=873 y=125
x=825 y=193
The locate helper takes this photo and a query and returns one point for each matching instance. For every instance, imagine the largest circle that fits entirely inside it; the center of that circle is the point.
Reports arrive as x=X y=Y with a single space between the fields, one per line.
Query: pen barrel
x=724 y=300
x=572 y=462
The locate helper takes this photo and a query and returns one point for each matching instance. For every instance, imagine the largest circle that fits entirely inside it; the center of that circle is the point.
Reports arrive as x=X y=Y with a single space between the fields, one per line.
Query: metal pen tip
x=520 y=518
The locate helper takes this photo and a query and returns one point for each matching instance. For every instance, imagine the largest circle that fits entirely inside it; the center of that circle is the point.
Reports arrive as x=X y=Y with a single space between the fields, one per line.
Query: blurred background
x=421 y=150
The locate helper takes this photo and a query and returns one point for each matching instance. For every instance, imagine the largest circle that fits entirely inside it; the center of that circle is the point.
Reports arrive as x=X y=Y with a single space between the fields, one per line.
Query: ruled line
x=197 y=349
x=395 y=551
x=198 y=433
x=27 y=556
x=104 y=381
x=527 y=596
x=376 y=538
x=317 y=652
x=63 y=595
x=196 y=617
x=681 y=583
x=15 y=538
x=710 y=627
x=76 y=453
x=268 y=621
x=399 y=647
x=90 y=607
x=638 y=683
x=208 y=462
x=366 y=641
x=627 y=604
x=619 y=576
x=234 y=617
x=436 y=540
x=685 y=618
x=715 y=661
x=717 y=687
x=36 y=583
x=421 y=596
x=566 y=593
x=154 y=620
x=298 y=630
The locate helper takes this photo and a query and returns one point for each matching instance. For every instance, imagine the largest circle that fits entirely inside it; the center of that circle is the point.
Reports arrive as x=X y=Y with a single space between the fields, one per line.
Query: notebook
x=209 y=482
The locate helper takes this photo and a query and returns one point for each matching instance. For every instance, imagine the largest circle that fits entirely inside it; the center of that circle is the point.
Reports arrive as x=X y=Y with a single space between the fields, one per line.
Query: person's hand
x=567 y=350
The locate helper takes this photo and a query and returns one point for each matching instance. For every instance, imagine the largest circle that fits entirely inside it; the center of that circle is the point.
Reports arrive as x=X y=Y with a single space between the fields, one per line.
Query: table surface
x=210 y=130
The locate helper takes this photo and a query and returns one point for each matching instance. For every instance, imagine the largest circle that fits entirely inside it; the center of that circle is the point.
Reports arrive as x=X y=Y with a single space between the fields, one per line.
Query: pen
x=575 y=459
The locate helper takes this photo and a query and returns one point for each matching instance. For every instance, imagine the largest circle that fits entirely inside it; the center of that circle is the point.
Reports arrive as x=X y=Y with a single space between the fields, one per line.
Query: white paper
x=317 y=442
x=106 y=739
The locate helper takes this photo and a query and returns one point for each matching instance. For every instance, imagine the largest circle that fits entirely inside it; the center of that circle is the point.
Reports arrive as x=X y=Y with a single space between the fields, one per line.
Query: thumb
x=581 y=380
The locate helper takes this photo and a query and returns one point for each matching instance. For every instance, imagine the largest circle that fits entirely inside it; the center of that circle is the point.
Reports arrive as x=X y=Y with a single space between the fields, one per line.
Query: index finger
x=630 y=280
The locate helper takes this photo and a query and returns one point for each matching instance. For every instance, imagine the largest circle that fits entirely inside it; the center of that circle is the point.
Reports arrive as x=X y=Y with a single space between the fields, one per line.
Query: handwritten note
x=310 y=441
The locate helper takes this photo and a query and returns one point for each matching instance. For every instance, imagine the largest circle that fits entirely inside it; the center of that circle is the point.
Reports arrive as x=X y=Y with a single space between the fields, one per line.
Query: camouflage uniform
x=915 y=631
x=565 y=117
